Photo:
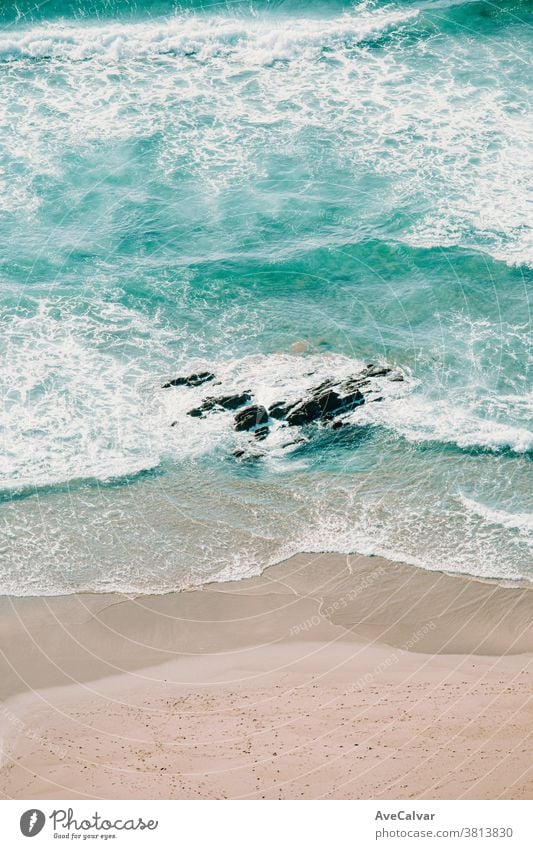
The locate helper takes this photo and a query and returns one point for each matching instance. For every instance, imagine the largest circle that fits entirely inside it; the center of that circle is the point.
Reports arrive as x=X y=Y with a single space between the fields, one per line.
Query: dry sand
x=326 y=677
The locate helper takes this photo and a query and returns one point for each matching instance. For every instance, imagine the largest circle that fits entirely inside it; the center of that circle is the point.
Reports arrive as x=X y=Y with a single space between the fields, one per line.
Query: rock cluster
x=323 y=404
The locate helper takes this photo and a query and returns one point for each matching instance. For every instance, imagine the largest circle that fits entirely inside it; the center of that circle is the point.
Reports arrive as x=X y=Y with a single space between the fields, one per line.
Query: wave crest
x=494 y=516
x=251 y=41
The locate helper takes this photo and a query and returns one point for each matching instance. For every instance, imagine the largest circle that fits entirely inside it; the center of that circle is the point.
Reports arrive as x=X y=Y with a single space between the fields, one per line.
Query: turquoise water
x=263 y=190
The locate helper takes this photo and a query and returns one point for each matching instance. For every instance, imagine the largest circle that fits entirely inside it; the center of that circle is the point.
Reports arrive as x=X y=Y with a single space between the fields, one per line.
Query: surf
x=279 y=194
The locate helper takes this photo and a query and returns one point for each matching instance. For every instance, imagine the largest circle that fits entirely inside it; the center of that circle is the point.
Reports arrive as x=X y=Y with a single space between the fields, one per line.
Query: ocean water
x=277 y=192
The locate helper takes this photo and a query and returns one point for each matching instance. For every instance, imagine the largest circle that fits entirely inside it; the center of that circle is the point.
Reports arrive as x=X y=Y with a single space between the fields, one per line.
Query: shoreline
x=503 y=581
x=201 y=693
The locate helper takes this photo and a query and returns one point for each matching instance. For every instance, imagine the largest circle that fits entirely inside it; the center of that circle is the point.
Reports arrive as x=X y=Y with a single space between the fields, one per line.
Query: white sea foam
x=388 y=113
x=247 y=40
x=520 y=521
x=125 y=538
x=420 y=531
x=72 y=411
x=446 y=421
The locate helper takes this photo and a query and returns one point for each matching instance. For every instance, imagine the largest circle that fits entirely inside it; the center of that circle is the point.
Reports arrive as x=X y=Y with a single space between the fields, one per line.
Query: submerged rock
x=262 y=432
x=301 y=440
x=250 y=417
x=190 y=380
x=242 y=454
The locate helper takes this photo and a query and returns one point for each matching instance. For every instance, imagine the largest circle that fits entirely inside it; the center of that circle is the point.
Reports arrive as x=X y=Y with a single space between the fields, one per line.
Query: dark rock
x=345 y=403
x=354 y=383
x=304 y=413
x=250 y=417
x=299 y=441
x=377 y=371
x=337 y=424
x=321 y=405
x=329 y=397
x=279 y=410
x=231 y=402
x=262 y=432
x=351 y=401
x=225 y=402
x=327 y=384
x=241 y=454
x=329 y=401
x=191 y=380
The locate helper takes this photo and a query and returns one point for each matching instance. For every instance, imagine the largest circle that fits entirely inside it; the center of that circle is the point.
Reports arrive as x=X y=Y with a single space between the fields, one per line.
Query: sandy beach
x=325 y=677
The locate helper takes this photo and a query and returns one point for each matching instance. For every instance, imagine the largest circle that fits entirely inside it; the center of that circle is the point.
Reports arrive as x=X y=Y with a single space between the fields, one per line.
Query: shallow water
x=218 y=186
